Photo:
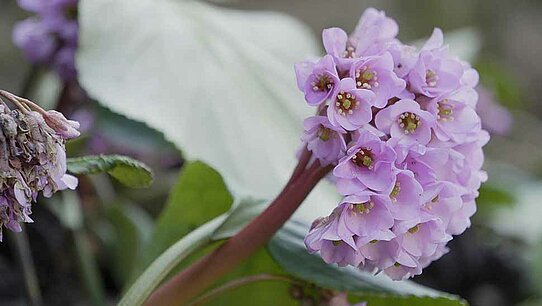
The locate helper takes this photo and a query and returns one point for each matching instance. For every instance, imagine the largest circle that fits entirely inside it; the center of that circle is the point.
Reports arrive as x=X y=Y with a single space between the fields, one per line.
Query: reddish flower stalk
x=196 y=278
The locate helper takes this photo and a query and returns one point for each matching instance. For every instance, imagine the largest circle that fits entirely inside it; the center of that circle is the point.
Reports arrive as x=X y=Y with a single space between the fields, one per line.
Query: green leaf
x=67 y=208
x=259 y=293
x=288 y=249
x=490 y=194
x=198 y=196
x=126 y=170
x=88 y=268
x=132 y=228
x=219 y=228
x=240 y=215
x=162 y=266
x=387 y=300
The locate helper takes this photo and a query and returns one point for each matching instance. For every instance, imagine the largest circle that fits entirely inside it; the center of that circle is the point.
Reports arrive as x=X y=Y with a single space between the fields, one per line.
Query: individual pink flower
x=421 y=237
x=368 y=162
x=350 y=108
x=405 y=58
x=405 y=195
x=373 y=31
x=405 y=119
x=371 y=36
x=318 y=80
x=375 y=73
x=324 y=140
x=456 y=119
x=367 y=216
x=334 y=242
x=435 y=72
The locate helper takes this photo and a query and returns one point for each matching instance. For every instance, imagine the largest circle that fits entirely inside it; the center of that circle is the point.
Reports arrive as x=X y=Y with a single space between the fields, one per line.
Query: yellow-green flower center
x=349 y=52
x=324 y=83
x=363 y=208
x=445 y=111
x=364 y=158
x=366 y=78
x=414 y=230
x=346 y=103
x=431 y=78
x=324 y=133
x=395 y=191
x=337 y=242
x=409 y=122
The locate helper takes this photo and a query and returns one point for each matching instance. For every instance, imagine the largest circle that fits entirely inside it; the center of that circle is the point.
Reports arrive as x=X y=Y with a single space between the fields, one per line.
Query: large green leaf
x=126 y=170
x=198 y=196
x=288 y=249
x=218 y=83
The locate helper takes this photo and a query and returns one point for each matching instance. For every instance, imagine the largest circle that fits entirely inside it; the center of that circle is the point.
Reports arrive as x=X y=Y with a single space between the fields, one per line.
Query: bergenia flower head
x=32 y=158
x=400 y=127
x=49 y=38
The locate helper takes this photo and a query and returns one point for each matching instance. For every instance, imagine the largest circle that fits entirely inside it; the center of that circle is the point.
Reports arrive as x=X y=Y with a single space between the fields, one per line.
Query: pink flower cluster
x=400 y=128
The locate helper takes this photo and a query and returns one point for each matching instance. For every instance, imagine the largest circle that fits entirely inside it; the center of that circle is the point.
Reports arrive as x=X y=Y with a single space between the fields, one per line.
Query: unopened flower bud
x=63 y=127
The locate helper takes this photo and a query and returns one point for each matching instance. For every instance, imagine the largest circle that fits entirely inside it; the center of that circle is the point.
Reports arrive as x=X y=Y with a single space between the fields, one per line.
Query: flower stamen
x=324 y=133
x=363 y=208
x=409 y=122
x=324 y=83
x=395 y=192
x=414 y=229
x=366 y=78
x=431 y=78
x=364 y=158
x=346 y=103
x=445 y=111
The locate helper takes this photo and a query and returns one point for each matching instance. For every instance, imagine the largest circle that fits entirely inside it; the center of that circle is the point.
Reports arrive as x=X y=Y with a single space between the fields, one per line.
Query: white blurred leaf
x=464 y=43
x=218 y=83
